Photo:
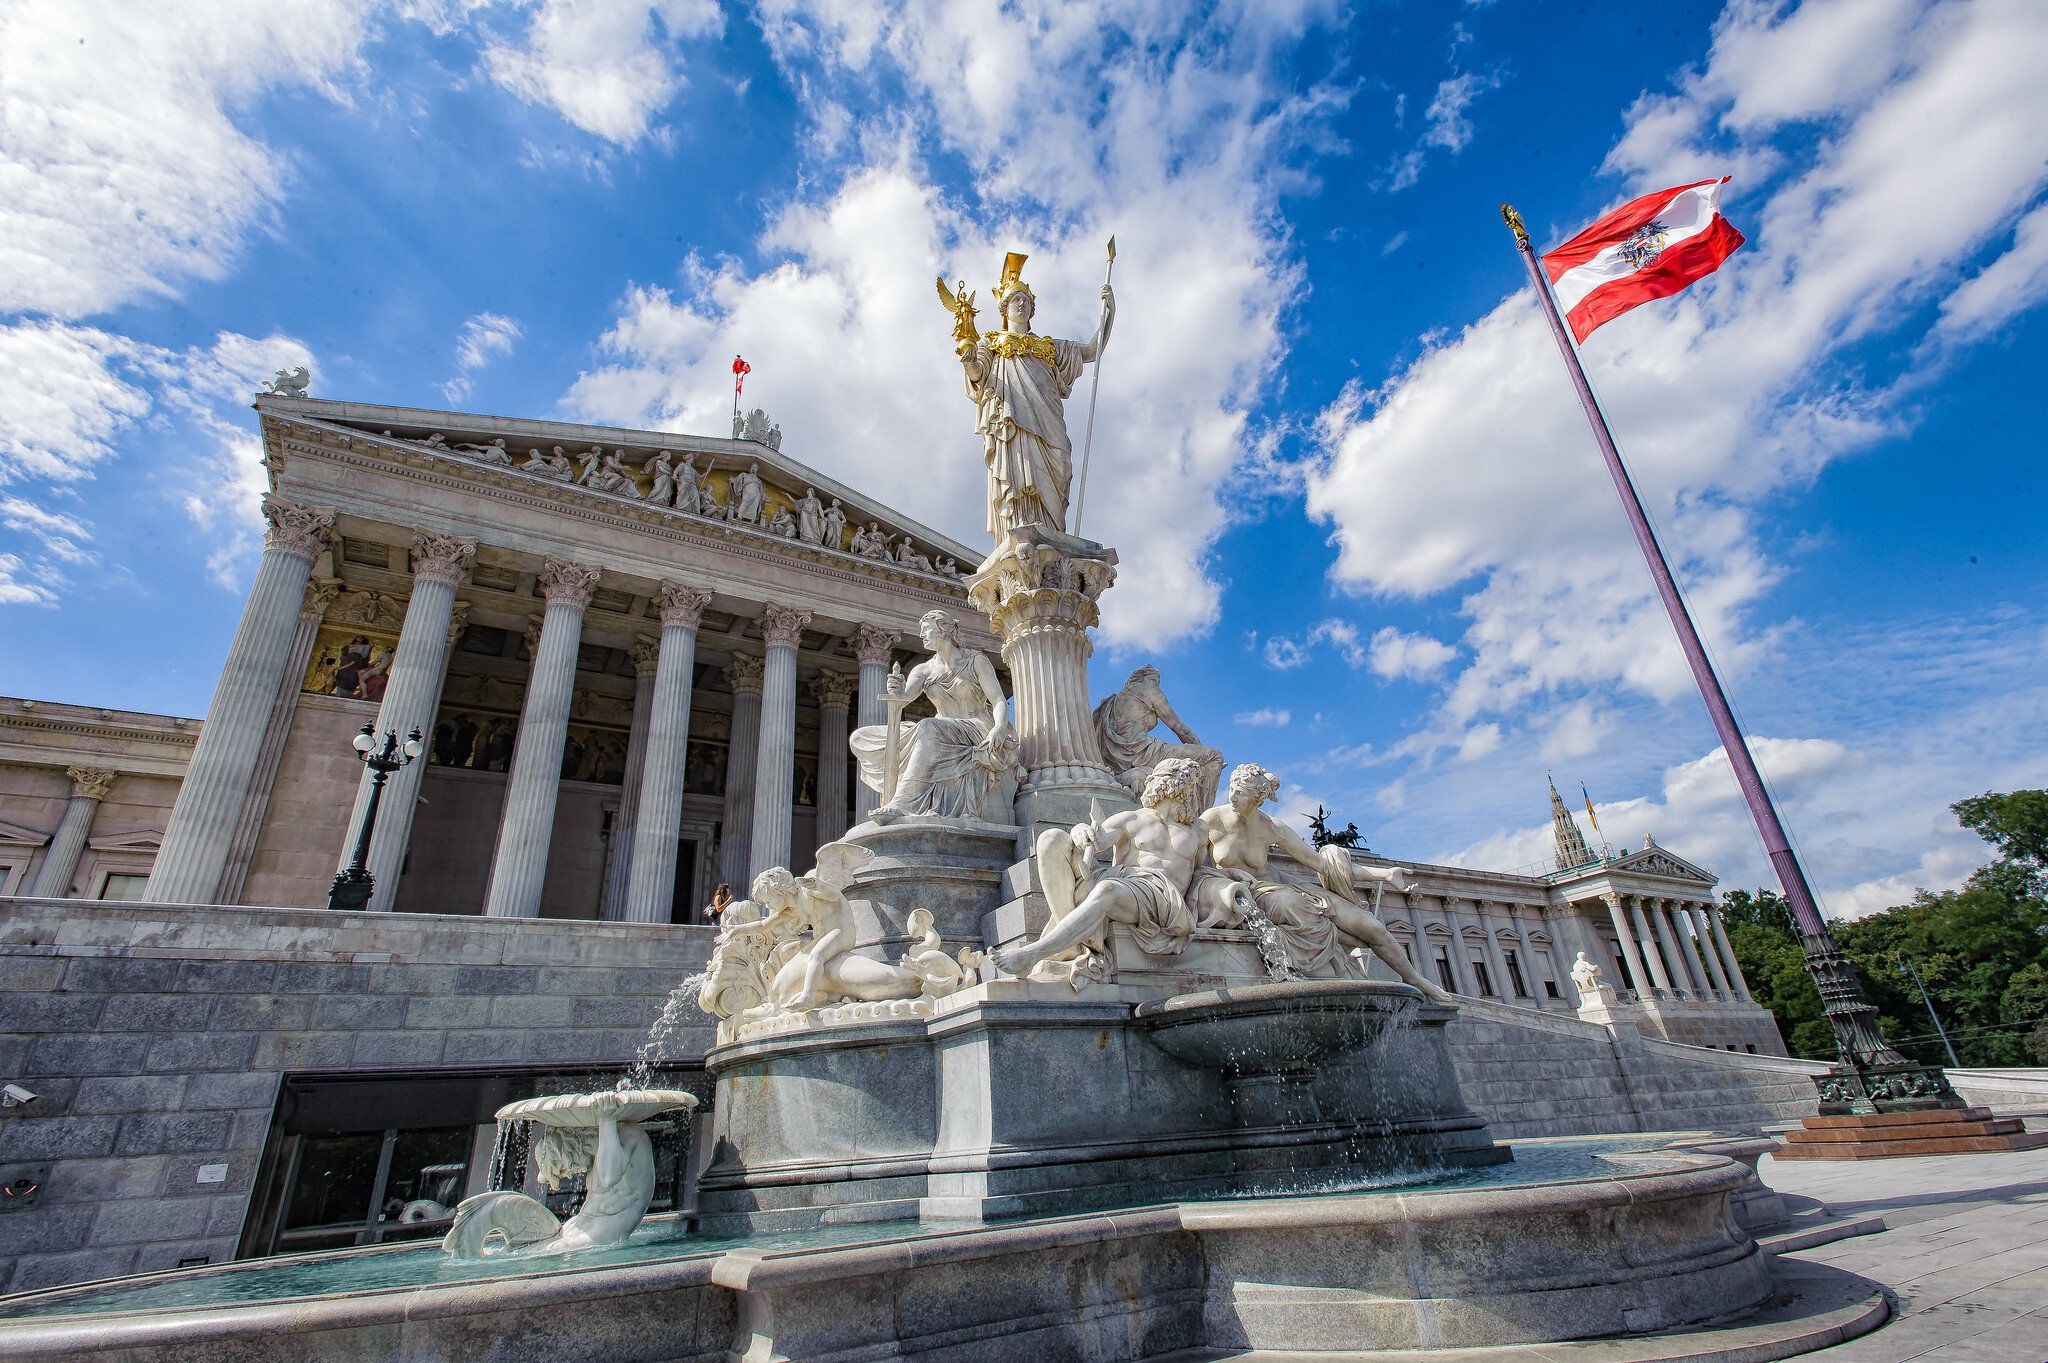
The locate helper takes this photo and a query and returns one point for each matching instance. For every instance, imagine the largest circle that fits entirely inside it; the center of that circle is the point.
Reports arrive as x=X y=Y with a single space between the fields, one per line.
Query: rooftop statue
x=1019 y=382
x=289 y=383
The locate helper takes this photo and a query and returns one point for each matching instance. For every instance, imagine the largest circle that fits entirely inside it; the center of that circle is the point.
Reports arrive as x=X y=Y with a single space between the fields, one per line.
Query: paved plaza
x=1964 y=1252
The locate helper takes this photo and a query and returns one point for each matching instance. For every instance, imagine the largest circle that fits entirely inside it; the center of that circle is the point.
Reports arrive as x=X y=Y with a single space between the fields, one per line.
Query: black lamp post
x=351 y=889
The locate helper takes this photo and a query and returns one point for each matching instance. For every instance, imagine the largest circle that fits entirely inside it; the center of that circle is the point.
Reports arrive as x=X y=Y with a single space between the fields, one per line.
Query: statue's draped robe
x=1024 y=434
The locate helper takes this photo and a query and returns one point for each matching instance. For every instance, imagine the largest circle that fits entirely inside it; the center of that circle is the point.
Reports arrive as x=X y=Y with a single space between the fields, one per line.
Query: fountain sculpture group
x=1064 y=1017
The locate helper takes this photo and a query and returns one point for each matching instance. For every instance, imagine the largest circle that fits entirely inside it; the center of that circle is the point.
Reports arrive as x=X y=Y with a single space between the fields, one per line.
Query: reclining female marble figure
x=1153 y=853
x=961 y=764
x=1317 y=928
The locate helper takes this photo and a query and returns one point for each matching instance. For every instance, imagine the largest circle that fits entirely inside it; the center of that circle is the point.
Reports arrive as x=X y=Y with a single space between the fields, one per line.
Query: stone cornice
x=451 y=470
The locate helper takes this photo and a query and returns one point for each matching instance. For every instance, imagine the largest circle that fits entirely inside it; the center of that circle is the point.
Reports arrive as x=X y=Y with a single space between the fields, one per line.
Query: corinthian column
x=1651 y=956
x=781 y=627
x=1638 y=976
x=1696 y=915
x=202 y=824
x=410 y=694
x=1728 y=961
x=872 y=646
x=320 y=594
x=645 y=653
x=89 y=786
x=519 y=867
x=651 y=887
x=834 y=692
x=735 y=843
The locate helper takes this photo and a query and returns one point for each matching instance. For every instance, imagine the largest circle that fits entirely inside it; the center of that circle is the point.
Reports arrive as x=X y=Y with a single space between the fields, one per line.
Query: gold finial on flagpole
x=1514 y=222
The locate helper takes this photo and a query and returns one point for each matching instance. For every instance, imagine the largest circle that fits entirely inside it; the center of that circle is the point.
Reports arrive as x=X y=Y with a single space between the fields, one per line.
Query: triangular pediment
x=141 y=840
x=20 y=835
x=1658 y=861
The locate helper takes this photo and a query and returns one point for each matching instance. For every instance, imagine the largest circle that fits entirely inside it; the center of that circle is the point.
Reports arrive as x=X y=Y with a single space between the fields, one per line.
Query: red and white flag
x=740 y=370
x=1650 y=248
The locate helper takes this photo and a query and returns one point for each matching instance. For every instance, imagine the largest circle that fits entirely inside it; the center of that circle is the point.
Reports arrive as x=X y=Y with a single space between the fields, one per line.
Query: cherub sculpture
x=789 y=949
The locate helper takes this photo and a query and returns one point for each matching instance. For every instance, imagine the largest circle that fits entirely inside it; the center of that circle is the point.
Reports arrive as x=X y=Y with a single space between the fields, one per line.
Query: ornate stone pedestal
x=1038 y=591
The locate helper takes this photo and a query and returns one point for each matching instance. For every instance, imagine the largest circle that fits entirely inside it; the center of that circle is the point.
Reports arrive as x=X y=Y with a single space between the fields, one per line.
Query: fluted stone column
x=520 y=864
x=651 y=888
x=1651 y=955
x=1496 y=963
x=1667 y=941
x=834 y=693
x=645 y=653
x=89 y=786
x=1454 y=950
x=736 y=843
x=320 y=594
x=201 y=829
x=418 y=667
x=781 y=627
x=1696 y=914
x=1639 y=976
x=1733 y=966
x=872 y=646
x=1681 y=933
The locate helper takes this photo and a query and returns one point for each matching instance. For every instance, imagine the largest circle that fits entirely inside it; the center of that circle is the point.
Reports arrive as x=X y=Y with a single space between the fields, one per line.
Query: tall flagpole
x=1876 y=1074
x=1088 y=445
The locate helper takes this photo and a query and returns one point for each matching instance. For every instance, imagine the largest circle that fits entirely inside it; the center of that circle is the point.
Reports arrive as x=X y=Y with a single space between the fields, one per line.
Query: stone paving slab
x=1965 y=1253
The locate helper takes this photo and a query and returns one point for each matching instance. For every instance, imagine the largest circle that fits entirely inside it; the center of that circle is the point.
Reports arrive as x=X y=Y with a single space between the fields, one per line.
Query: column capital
x=441 y=558
x=873 y=644
x=566 y=583
x=92 y=783
x=834 y=690
x=682 y=605
x=744 y=672
x=301 y=531
x=783 y=626
x=645 y=653
x=458 y=621
x=320 y=594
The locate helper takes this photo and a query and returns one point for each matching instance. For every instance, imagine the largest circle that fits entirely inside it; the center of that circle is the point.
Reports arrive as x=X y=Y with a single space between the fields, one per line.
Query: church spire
x=1571 y=844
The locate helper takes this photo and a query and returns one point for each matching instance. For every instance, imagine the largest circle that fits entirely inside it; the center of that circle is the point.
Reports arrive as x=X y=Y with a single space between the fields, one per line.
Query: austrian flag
x=1651 y=248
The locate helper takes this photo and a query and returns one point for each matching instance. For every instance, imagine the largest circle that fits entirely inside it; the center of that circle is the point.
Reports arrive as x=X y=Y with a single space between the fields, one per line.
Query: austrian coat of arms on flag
x=1651 y=247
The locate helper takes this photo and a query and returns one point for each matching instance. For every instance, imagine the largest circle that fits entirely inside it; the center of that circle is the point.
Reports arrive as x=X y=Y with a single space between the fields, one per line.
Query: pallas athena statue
x=1019 y=382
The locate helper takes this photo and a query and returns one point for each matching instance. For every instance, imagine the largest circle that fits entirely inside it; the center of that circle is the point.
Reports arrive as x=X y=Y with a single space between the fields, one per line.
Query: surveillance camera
x=14 y=1095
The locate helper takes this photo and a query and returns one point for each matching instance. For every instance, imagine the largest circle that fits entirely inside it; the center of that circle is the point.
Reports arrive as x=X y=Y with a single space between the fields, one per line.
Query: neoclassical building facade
x=621 y=703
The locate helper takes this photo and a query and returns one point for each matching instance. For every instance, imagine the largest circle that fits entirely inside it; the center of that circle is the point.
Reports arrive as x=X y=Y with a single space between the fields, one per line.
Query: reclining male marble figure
x=1154 y=850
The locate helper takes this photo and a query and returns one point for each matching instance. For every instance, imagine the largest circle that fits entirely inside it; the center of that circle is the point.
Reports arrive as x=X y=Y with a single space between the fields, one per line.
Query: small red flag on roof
x=1650 y=248
x=740 y=370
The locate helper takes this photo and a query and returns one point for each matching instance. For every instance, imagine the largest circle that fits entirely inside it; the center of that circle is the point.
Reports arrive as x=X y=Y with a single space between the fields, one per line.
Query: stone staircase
x=1884 y=1135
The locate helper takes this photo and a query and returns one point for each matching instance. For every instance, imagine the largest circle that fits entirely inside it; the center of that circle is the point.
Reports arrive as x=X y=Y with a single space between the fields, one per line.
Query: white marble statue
x=595 y=1135
x=907 y=555
x=1591 y=983
x=708 y=503
x=661 y=489
x=555 y=466
x=833 y=535
x=493 y=453
x=789 y=948
x=782 y=523
x=743 y=496
x=1124 y=723
x=810 y=518
x=689 y=486
x=871 y=543
x=1316 y=928
x=1019 y=382
x=1154 y=851
x=962 y=762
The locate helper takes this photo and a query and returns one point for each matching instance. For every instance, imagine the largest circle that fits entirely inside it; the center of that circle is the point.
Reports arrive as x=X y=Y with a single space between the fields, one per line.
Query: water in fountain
x=677 y=1015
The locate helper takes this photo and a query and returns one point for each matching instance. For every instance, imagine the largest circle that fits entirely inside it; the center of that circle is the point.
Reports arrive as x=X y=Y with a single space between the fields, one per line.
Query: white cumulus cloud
x=606 y=66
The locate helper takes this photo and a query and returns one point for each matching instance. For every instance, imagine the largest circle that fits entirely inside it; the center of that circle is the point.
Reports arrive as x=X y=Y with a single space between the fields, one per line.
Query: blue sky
x=1364 y=532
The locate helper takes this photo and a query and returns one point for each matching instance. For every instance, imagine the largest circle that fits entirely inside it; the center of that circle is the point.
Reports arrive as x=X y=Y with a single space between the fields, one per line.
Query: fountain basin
x=1646 y=1244
x=1268 y=1028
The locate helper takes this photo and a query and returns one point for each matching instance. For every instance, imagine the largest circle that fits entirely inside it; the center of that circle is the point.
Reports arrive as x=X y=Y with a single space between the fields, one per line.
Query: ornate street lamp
x=351 y=889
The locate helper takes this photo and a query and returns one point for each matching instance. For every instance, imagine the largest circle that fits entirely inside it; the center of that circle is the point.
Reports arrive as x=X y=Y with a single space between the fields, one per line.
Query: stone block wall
x=155 y=1037
x=304 y=827
x=1534 y=1074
